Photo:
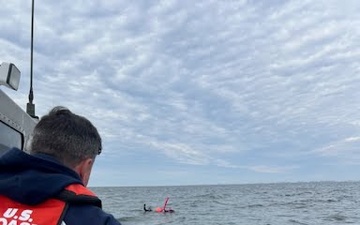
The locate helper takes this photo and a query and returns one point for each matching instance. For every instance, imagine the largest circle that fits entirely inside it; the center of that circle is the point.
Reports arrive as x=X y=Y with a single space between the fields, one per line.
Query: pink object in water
x=159 y=209
x=163 y=209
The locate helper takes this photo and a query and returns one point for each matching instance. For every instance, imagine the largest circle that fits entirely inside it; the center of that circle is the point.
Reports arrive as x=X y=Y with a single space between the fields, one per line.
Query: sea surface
x=251 y=204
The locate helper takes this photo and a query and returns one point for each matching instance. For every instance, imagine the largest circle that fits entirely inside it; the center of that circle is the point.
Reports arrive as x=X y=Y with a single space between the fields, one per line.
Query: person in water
x=147 y=209
x=48 y=185
x=169 y=210
x=163 y=208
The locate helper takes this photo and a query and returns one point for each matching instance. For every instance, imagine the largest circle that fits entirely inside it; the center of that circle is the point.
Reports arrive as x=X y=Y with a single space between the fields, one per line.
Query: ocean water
x=251 y=204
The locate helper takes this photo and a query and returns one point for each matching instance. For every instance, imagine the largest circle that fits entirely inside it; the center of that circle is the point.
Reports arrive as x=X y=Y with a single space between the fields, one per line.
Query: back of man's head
x=68 y=137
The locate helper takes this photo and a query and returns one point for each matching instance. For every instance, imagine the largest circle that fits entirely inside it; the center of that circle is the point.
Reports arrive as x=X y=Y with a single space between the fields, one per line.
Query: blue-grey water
x=251 y=204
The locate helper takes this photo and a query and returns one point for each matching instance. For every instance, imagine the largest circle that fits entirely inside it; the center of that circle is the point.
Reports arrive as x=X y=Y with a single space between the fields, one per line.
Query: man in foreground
x=49 y=185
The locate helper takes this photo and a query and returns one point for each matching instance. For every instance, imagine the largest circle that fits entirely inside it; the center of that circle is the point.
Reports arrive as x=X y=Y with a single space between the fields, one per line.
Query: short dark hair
x=68 y=137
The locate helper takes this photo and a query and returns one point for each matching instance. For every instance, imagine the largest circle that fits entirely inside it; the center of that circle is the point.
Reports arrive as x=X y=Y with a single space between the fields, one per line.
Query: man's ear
x=84 y=170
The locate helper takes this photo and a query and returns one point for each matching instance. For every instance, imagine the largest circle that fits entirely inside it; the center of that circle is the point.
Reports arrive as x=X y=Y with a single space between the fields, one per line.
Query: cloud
x=271 y=169
x=345 y=150
x=204 y=83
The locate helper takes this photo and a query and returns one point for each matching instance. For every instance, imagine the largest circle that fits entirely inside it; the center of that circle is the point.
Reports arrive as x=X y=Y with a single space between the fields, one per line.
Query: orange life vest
x=49 y=212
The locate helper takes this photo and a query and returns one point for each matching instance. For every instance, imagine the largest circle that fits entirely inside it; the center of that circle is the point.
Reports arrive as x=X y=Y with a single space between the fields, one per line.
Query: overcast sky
x=199 y=92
